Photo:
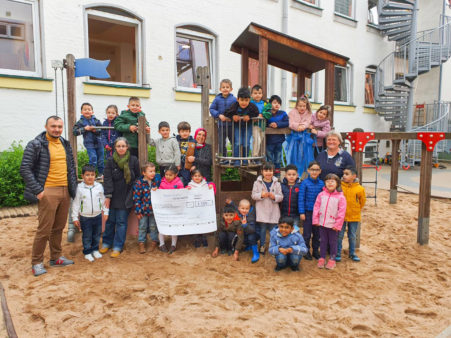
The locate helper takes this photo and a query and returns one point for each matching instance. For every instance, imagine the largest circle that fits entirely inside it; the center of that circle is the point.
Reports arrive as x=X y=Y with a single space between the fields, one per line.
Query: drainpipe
x=442 y=22
x=285 y=31
x=412 y=52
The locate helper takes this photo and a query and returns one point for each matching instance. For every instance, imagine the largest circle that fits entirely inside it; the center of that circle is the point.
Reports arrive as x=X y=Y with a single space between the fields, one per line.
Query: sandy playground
x=399 y=288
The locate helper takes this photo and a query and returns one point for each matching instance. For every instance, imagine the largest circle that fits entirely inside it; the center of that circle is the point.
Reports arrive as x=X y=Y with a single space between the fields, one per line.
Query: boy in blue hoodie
x=218 y=108
x=286 y=245
x=290 y=190
x=278 y=119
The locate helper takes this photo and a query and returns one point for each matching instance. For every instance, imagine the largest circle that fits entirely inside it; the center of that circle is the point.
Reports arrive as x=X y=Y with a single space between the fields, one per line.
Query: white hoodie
x=89 y=201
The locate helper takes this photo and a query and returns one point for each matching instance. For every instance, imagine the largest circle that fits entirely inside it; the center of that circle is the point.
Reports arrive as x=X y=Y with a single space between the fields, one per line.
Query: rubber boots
x=256 y=255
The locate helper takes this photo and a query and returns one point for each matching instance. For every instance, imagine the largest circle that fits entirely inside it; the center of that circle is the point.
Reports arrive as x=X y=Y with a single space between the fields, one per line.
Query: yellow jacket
x=355 y=199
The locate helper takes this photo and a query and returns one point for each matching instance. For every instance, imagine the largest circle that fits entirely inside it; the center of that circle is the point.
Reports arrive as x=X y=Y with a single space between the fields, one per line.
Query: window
x=344 y=7
x=313 y=2
x=342 y=85
x=373 y=17
x=115 y=35
x=294 y=87
x=19 y=38
x=370 y=76
x=194 y=48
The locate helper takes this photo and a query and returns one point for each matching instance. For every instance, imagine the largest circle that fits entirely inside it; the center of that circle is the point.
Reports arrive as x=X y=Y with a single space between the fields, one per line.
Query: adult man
x=48 y=170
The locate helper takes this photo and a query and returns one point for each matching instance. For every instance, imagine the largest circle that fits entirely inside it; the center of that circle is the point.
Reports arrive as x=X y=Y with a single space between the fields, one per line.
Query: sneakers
x=115 y=254
x=163 y=248
x=278 y=268
x=330 y=264
x=354 y=258
x=236 y=164
x=316 y=254
x=308 y=256
x=338 y=258
x=38 y=269
x=205 y=243
x=262 y=250
x=196 y=243
x=62 y=261
x=142 y=247
x=294 y=268
x=321 y=263
x=153 y=246
x=223 y=251
x=96 y=254
x=172 y=249
x=89 y=257
x=104 y=249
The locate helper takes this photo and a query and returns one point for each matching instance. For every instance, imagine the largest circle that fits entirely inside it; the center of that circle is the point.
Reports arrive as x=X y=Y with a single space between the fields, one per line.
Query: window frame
x=37 y=42
x=308 y=3
x=348 y=85
x=353 y=10
x=313 y=83
x=373 y=72
x=206 y=37
x=139 y=43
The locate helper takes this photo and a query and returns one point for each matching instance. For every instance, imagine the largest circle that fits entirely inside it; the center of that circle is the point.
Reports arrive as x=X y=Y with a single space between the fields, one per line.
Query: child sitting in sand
x=230 y=235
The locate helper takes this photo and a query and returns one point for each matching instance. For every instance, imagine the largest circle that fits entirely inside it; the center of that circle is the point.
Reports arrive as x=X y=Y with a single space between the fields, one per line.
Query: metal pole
x=412 y=52
x=284 y=30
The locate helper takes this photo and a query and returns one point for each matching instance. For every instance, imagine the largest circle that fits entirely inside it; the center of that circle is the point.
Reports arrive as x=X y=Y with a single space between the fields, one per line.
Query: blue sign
x=91 y=67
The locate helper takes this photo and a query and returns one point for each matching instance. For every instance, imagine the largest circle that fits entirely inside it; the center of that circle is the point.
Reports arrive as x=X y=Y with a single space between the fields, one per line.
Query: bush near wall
x=11 y=183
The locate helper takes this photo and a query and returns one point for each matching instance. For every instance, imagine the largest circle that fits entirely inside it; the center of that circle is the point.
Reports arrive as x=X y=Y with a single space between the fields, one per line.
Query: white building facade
x=154 y=46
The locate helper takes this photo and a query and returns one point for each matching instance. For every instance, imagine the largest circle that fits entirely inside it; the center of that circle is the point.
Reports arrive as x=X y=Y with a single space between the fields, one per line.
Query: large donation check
x=184 y=212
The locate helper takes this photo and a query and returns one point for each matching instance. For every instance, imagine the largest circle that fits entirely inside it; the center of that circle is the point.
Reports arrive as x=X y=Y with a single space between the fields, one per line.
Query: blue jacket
x=260 y=105
x=281 y=119
x=308 y=192
x=109 y=135
x=142 y=192
x=293 y=240
x=249 y=227
x=220 y=104
x=91 y=139
x=289 y=205
x=335 y=165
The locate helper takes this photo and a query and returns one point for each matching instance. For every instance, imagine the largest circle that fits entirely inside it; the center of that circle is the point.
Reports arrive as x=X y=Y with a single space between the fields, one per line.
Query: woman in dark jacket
x=202 y=155
x=121 y=172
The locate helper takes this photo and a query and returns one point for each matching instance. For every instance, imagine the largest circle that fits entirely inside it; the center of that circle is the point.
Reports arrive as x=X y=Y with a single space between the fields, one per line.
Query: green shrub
x=83 y=159
x=11 y=183
x=231 y=174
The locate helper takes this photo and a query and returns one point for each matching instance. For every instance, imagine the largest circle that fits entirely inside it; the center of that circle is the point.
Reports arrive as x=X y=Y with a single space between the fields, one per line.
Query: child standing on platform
x=170 y=181
x=92 y=139
x=187 y=144
x=328 y=214
x=87 y=210
x=355 y=201
x=110 y=135
x=142 y=190
x=267 y=193
x=308 y=192
x=301 y=116
x=167 y=149
x=257 y=131
x=320 y=126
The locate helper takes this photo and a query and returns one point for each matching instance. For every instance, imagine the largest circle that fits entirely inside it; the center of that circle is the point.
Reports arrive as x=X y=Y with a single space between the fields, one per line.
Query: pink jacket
x=296 y=119
x=267 y=209
x=176 y=183
x=329 y=210
x=323 y=127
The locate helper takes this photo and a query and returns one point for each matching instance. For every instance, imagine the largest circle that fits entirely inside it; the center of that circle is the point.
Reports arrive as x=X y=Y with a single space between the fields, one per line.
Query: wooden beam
x=203 y=80
x=244 y=67
x=263 y=65
x=69 y=63
x=329 y=89
x=424 y=207
x=142 y=141
x=300 y=82
x=274 y=62
x=394 y=171
x=9 y=326
x=298 y=45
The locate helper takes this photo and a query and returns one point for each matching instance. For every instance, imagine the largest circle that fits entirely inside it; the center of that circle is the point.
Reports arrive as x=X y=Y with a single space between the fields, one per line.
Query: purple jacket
x=329 y=210
x=323 y=127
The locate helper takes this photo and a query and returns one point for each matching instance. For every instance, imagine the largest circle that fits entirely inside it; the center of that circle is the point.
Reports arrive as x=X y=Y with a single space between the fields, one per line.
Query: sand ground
x=398 y=289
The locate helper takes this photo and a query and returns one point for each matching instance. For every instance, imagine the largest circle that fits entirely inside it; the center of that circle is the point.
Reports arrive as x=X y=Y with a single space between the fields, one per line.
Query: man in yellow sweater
x=49 y=172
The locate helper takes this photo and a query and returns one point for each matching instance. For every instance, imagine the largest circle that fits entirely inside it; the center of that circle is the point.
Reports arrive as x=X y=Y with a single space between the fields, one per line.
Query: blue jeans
x=291 y=260
x=115 y=229
x=310 y=230
x=96 y=158
x=147 y=225
x=92 y=228
x=242 y=137
x=261 y=228
x=249 y=240
x=224 y=133
x=352 y=230
x=274 y=154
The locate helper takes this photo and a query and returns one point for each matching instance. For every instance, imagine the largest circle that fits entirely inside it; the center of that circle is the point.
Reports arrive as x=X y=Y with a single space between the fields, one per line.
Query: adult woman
x=121 y=171
x=202 y=155
x=334 y=159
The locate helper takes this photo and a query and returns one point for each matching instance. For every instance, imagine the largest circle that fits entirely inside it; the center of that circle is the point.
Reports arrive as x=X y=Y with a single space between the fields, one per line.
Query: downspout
x=412 y=51
x=442 y=23
x=285 y=31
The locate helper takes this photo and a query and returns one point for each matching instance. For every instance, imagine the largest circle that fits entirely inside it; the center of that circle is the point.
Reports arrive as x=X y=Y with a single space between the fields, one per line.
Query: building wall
x=63 y=30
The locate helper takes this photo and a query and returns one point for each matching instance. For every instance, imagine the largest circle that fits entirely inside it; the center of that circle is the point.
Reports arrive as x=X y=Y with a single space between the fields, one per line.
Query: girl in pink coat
x=300 y=117
x=329 y=213
x=320 y=126
x=170 y=181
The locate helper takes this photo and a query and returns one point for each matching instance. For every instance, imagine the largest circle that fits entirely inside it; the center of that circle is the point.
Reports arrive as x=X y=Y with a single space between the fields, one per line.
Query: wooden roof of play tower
x=286 y=52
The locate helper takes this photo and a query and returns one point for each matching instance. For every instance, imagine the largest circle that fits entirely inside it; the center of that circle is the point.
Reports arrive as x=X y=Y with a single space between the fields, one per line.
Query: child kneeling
x=287 y=245
x=230 y=235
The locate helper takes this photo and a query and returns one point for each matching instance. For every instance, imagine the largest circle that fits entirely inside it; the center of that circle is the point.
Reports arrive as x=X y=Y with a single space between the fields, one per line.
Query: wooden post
x=300 y=83
x=394 y=171
x=244 y=67
x=424 y=207
x=142 y=141
x=329 y=89
x=358 y=159
x=69 y=63
x=203 y=79
x=263 y=64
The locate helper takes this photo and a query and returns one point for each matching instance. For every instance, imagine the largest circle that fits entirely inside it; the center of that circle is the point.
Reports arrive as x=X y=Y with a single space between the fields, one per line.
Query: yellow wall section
x=369 y=110
x=337 y=107
x=115 y=91
x=27 y=84
x=191 y=97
